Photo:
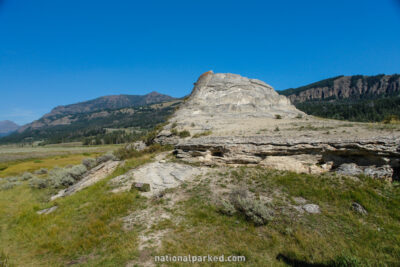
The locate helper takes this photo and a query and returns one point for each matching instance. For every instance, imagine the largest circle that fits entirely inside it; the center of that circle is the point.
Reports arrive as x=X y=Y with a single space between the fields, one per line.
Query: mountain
x=110 y=102
x=7 y=127
x=355 y=98
x=61 y=114
x=99 y=119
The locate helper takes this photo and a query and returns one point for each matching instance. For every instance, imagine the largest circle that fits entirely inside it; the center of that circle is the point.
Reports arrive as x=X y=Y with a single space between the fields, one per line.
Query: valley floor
x=95 y=227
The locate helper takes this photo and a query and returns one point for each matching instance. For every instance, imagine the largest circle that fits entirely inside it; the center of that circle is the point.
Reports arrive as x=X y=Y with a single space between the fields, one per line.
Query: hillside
x=354 y=98
x=109 y=119
x=59 y=115
x=7 y=127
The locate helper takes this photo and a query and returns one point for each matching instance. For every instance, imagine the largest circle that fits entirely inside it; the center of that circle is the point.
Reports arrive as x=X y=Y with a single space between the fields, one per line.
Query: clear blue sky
x=57 y=52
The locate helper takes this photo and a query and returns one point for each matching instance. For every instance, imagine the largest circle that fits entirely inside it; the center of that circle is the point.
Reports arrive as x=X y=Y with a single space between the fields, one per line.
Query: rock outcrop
x=247 y=122
x=346 y=87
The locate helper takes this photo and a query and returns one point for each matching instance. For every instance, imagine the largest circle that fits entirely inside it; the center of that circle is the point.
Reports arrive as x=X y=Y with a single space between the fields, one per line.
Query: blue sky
x=65 y=51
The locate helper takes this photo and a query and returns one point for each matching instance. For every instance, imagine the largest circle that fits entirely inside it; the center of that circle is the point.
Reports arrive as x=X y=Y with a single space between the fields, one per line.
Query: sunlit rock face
x=226 y=94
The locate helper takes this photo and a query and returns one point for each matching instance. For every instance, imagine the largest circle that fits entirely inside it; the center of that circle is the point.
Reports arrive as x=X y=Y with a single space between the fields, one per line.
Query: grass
x=333 y=237
x=21 y=166
x=86 y=227
x=205 y=133
x=10 y=153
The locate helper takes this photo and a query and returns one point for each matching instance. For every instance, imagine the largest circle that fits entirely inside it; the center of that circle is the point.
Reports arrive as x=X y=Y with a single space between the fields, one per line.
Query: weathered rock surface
x=311 y=208
x=93 y=176
x=358 y=208
x=345 y=87
x=159 y=175
x=47 y=211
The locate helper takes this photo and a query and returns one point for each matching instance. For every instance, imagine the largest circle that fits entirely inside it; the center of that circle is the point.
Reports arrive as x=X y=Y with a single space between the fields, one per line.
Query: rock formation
x=346 y=87
x=247 y=122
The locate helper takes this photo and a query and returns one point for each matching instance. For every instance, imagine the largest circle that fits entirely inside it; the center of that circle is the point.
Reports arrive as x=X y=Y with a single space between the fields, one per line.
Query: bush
x=104 y=158
x=41 y=171
x=38 y=183
x=77 y=171
x=60 y=178
x=12 y=179
x=26 y=176
x=89 y=163
x=184 y=133
x=253 y=210
x=9 y=185
x=299 y=116
x=278 y=117
x=226 y=208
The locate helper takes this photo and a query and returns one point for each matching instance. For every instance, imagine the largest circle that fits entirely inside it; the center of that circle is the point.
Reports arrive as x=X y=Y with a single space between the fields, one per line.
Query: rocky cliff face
x=247 y=122
x=346 y=87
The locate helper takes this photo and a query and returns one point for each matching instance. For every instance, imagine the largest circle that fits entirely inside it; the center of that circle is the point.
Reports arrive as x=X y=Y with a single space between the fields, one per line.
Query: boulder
x=350 y=169
x=311 y=208
x=384 y=172
x=358 y=208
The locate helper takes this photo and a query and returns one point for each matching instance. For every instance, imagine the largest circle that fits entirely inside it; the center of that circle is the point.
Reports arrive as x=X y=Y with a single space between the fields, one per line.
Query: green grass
x=85 y=227
x=21 y=166
x=332 y=237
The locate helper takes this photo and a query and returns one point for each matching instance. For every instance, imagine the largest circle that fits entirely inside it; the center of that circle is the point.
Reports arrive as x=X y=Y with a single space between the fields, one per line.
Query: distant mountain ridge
x=355 y=98
x=346 y=87
x=7 y=127
x=110 y=102
x=107 y=119
x=61 y=115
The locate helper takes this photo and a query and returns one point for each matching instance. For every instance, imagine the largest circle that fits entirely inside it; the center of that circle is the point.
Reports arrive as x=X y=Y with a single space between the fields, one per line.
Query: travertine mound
x=229 y=94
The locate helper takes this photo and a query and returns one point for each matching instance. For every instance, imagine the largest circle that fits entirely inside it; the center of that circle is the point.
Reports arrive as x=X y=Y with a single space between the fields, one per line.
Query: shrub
x=60 y=178
x=278 y=117
x=226 y=208
x=77 y=171
x=9 y=185
x=391 y=119
x=276 y=129
x=26 y=176
x=184 y=133
x=12 y=179
x=299 y=116
x=41 y=171
x=38 y=183
x=255 y=211
x=104 y=158
x=252 y=209
x=174 y=125
x=89 y=163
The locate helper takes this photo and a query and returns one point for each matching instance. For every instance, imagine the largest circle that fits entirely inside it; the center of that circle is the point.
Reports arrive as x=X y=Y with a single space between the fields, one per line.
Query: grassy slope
x=86 y=228
x=318 y=239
